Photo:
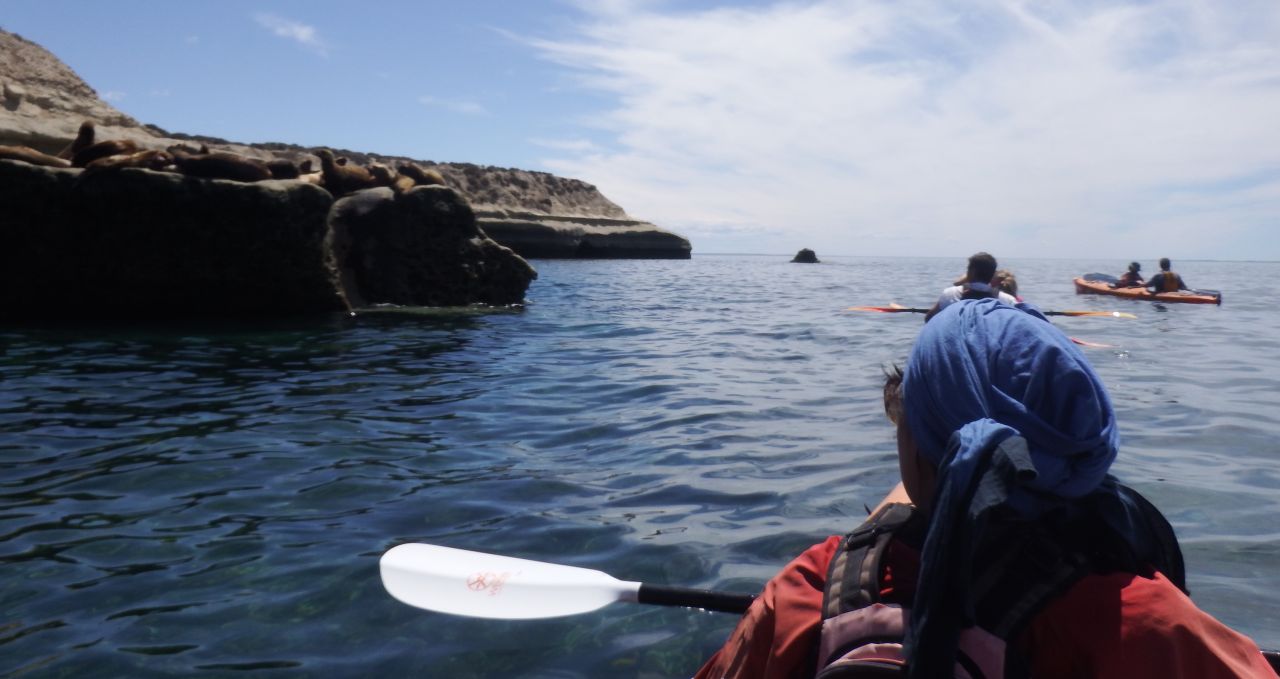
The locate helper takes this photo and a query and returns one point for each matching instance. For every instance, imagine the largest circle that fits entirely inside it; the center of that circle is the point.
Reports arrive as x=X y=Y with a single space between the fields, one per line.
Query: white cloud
x=927 y=127
x=113 y=96
x=461 y=106
x=301 y=33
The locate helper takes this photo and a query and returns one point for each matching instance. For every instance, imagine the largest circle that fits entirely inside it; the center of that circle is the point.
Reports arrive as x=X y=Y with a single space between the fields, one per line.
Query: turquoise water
x=212 y=499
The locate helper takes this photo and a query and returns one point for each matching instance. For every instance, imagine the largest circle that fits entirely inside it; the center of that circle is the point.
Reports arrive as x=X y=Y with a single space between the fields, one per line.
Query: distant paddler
x=1167 y=280
x=1131 y=278
x=976 y=284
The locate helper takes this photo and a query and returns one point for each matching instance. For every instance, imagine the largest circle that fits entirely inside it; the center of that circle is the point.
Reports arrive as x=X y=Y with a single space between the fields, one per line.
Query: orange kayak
x=1181 y=297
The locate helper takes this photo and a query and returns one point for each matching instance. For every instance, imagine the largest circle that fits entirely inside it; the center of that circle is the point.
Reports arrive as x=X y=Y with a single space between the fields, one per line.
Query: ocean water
x=211 y=499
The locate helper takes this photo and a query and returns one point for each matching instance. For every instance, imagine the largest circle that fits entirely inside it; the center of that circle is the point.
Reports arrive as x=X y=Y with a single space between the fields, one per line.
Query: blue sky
x=1117 y=130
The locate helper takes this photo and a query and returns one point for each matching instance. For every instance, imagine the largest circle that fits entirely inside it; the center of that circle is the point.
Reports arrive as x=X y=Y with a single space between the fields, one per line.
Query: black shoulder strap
x=1052 y=554
x=1011 y=585
x=853 y=577
x=1164 y=554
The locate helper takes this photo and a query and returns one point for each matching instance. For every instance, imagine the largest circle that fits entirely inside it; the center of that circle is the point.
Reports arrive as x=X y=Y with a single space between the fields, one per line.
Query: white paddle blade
x=491 y=586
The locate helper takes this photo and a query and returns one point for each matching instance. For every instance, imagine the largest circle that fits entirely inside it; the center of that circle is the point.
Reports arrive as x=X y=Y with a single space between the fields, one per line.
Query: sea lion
x=220 y=165
x=402 y=183
x=83 y=140
x=176 y=149
x=343 y=179
x=281 y=168
x=147 y=160
x=305 y=167
x=29 y=155
x=382 y=175
x=421 y=175
x=102 y=149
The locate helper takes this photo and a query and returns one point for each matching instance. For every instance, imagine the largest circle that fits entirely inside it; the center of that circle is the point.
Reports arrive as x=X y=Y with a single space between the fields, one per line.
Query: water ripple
x=212 y=499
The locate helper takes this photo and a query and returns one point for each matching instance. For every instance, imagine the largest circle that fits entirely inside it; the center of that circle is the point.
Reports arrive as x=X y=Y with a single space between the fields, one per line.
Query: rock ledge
x=45 y=102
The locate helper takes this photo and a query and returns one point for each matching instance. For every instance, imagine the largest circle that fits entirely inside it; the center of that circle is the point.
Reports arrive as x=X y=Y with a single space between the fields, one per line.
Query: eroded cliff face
x=45 y=101
x=537 y=214
x=134 y=243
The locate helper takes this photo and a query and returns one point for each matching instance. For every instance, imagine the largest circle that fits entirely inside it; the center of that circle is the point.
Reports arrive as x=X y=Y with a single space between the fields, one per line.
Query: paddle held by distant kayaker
x=1007 y=550
x=976 y=284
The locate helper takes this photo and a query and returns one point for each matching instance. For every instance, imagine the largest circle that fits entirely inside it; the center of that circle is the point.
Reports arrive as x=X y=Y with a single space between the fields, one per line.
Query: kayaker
x=1020 y=556
x=1131 y=278
x=1166 y=280
x=976 y=285
x=1005 y=282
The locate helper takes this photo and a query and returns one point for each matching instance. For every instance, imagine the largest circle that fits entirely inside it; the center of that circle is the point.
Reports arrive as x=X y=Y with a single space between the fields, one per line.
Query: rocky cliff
x=135 y=243
x=534 y=213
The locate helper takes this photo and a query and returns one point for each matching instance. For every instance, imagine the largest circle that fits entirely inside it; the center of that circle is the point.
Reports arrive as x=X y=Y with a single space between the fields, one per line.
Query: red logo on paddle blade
x=488 y=582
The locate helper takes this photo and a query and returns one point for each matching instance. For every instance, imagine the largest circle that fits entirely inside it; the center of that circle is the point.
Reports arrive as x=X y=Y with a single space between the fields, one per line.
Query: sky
x=1084 y=129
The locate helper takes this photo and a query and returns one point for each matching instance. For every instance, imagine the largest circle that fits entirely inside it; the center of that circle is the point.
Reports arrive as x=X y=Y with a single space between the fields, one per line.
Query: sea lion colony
x=339 y=176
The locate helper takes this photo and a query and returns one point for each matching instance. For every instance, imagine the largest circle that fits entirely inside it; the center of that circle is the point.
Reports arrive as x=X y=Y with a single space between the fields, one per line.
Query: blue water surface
x=211 y=499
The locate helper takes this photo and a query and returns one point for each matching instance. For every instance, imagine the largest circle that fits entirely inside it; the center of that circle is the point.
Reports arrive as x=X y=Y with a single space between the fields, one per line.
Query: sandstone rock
x=13 y=95
x=56 y=101
x=137 y=243
x=805 y=256
x=142 y=244
x=567 y=237
x=420 y=248
x=53 y=101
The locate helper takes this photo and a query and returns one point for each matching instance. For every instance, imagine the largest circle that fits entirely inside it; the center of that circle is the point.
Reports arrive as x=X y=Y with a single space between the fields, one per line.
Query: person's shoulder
x=1008 y=299
x=1121 y=624
x=1143 y=602
x=952 y=293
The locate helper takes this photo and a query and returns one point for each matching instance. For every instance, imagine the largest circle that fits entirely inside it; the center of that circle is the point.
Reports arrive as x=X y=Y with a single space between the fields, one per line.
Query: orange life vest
x=1169 y=281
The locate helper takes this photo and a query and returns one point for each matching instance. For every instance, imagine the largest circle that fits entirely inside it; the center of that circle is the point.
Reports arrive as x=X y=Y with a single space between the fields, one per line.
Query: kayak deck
x=1084 y=286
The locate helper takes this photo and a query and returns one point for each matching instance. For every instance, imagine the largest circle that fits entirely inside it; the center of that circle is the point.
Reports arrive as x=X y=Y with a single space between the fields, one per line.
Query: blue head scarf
x=988 y=370
x=1012 y=416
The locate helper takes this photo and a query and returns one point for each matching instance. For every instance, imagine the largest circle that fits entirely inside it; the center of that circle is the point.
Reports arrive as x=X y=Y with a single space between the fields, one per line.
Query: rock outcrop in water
x=420 y=248
x=534 y=213
x=143 y=244
x=138 y=243
x=805 y=256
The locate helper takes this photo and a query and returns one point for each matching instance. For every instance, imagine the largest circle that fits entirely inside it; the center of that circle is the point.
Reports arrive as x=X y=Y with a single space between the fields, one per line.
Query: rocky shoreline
x=137 y=243
x=535 y=214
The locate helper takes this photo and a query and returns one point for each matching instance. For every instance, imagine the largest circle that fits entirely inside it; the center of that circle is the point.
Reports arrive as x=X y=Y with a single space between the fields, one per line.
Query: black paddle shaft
x=723 y=602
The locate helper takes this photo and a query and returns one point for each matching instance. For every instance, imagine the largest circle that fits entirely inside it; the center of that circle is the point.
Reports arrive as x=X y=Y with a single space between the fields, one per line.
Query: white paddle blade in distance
x=483 y=585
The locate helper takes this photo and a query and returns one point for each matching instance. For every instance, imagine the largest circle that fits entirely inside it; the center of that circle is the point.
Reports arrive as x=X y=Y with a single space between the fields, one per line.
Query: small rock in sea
x=806 y=256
